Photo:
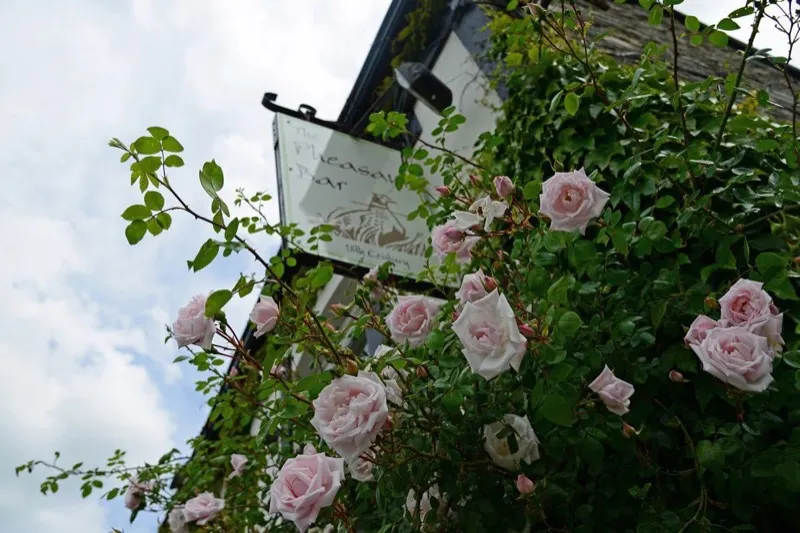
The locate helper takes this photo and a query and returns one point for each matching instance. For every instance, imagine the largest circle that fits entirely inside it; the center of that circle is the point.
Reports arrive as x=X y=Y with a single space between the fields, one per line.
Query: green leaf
x=718 y=38
x=741 y=12
x=231 y=229
x=657 y=311
x=164 y=220
x=571 y=103
x=655 y=231
x=656 y=14
x=514 y=59
x=665 y=201
x=710 y=455
x=558 y=291
x=154 y=200
x=207 y=253
x=532 y=190
x=216 y=301
x=556 y=409
x=781 y=287
x=770 y=265
x=171 y=144
x=646 y=3
x=569 y=324
x=158 y=133
x=136 y=212
x=149 y=164
x=135 y=231
x=213 y=172
x=322 y=276
x=792 y=358
x=147 y=145
x=452 y=400
x=173 y=161
x=697 y=39
x=591 y=451
x=692 y=23
x=620 y=240
x=727 y=25
x=556 y=100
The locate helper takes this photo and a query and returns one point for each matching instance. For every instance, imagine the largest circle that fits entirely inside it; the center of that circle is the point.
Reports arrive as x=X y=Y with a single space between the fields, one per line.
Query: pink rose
x=177 y=520
x=614 y=392
x=136 y=489
x=265 y=315
x=411 y=320
x=699 y=329
x=736 y=356
x=499 y=449
x=350 y=412
x=238 y=462
x=203 y=508
x=447 y=239
x=570 y=200
x=503 y=185
x=524 y=484
x=488 y=330
x=747 y=305
x=193 y=326
x=475 y=286
x=304 y=486
x=361 y=468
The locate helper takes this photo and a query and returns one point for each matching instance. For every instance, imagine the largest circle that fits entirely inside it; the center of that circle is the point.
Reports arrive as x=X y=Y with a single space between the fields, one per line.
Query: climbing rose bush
x=606 y=339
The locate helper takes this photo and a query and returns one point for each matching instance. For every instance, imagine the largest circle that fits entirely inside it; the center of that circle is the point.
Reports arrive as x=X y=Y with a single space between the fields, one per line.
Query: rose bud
x=476 y=180
x=490 y=283
x=443 y=190
x=422 y=373
x=526 y=330
x=628 y=430
x=351 y=367
x=676 y=377
x=524 y=484
x=711 y=302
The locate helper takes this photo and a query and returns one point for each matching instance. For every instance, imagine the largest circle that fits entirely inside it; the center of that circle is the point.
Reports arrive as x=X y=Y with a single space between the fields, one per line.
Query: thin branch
x=732 y=99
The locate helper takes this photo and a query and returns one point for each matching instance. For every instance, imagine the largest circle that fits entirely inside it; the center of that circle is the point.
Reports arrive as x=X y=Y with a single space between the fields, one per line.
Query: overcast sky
x=83 y=313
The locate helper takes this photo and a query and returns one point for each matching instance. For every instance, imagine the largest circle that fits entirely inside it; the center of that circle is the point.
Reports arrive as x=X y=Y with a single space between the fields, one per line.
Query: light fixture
x=424 y=86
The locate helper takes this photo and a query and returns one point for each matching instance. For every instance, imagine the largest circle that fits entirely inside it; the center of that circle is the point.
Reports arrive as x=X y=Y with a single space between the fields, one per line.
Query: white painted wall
x=472 y=97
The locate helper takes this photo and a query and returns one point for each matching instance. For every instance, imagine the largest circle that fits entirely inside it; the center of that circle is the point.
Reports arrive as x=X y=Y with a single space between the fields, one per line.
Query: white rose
x=492 y=341
x=499 y=449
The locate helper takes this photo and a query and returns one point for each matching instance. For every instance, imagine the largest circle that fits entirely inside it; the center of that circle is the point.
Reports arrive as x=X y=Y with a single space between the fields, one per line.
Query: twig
x=732 y=99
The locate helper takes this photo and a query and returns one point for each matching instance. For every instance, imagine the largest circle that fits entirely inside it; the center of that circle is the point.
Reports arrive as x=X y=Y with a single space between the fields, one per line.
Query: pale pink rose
x=361 y=468
x=177 y=520
x=203 y=508
x=350 y=412
x=134 y=496
x=738 y=357
x=492 y=341
x=265 y=315
x=424 y=502
x=747 y=305
x=570 y=200
x=447 y=239
x=411 y=319
x=193 y=326
x=524 y=484
x=614 y=392
x=305 y=485
x=503 y=185
x=699 y=329
x=391 y=381
x=499 y=449
x=475 y=286
x=483 y=210
x=238 y=462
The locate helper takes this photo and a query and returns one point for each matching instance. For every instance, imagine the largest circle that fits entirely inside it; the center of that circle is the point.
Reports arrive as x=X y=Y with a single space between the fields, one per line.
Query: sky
x=83 y=313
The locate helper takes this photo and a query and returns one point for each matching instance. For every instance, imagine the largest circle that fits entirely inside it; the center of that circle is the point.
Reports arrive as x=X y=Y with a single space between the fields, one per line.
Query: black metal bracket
x=304 y=112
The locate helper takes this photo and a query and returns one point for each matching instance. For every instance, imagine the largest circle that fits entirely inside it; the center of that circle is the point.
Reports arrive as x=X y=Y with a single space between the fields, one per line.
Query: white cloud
x=83 y=312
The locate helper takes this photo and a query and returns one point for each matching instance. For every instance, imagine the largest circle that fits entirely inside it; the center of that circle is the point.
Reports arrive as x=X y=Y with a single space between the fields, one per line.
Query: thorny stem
x=450 y=152
x=678 y=95
x=185 y=207
x=732 y=98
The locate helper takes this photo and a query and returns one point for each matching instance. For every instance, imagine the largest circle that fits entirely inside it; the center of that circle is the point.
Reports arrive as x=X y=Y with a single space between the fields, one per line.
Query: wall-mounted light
x=424 y=86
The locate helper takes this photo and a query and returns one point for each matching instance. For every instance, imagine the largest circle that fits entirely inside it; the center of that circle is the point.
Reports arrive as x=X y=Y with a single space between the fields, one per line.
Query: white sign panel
x=331 y=178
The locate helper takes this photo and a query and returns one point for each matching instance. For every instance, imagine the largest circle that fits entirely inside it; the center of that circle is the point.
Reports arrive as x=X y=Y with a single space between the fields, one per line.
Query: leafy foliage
x=703 y=192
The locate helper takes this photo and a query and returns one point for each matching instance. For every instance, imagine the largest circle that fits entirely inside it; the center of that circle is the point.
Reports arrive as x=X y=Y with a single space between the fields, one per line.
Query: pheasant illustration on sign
x=375 y=223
